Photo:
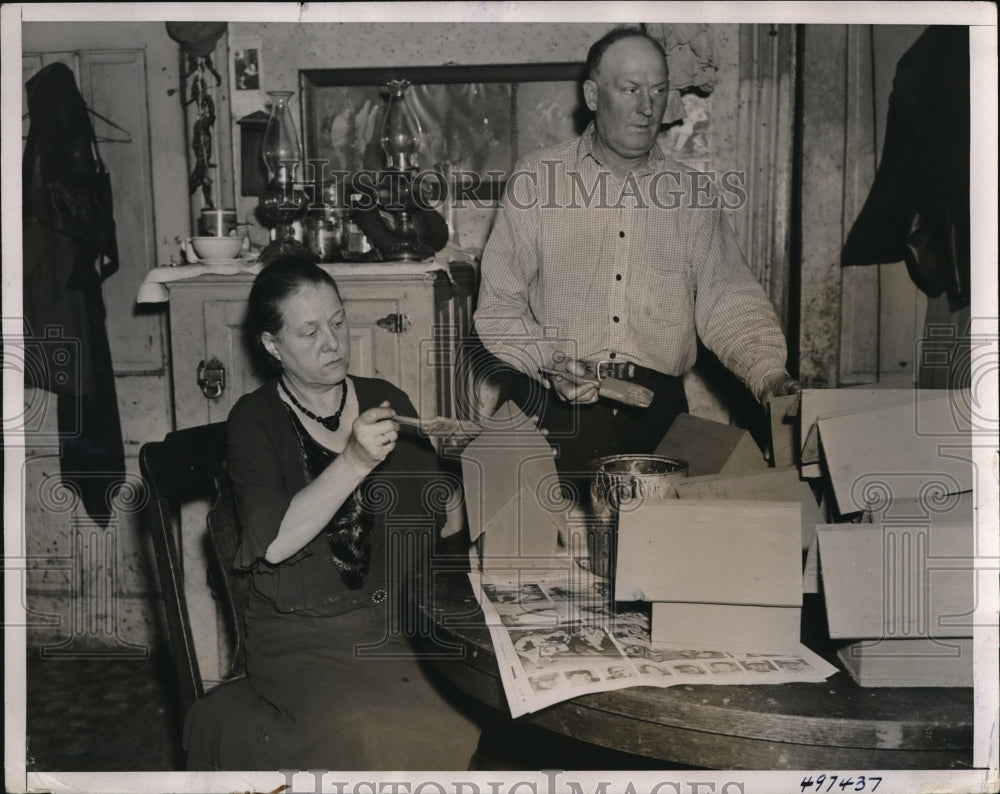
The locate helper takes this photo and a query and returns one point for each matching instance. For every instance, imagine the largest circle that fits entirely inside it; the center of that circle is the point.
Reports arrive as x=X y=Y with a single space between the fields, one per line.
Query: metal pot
x=618 y=478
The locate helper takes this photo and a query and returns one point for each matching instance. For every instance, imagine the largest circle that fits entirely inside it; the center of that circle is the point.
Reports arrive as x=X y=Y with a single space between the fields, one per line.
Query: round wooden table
x=830 y=725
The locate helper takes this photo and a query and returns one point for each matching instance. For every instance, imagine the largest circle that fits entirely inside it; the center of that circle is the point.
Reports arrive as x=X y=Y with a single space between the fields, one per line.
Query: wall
x=287 y=47
x=842 y=124
x=166 y=120
x=882 y=311
x=824 y=98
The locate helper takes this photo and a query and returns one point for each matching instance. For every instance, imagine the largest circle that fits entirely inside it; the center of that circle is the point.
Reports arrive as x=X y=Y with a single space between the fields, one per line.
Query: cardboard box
x=738 y=561
x=711 y=447
x=512 y=494
x=815 y=404
x=729 y=626
x=904 y=590
x=913 y=662
x=771 y=485
x=894 y=581
x=783 y=415
x=897 y=452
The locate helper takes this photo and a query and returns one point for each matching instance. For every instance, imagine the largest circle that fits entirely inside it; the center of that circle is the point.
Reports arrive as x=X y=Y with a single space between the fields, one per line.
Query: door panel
x=374 y=351
x=114 y=84
x=225 y=341
x=882 y=311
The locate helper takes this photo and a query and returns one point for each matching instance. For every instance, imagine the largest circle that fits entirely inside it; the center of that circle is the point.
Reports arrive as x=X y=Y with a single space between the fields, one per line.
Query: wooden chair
x=187 y=465
x=224 y=534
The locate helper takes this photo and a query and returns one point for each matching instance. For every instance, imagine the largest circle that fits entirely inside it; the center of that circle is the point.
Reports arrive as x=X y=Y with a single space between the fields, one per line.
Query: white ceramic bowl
x=217 y=247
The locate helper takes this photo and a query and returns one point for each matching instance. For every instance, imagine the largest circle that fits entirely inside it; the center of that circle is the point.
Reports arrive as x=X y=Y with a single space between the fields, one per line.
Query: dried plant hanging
x=197 y=40
x=199 y=94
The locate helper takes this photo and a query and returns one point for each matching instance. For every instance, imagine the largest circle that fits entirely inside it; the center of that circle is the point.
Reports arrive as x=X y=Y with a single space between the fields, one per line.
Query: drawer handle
x=395 y=323
x=212 y=378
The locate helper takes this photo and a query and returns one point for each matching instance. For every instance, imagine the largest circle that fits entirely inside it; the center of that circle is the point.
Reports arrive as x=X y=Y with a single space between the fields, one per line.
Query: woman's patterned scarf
x=349 y=532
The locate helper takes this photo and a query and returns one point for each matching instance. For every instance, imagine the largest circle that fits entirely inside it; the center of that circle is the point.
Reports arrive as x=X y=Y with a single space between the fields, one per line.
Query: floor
x=114 y=715
x=101 y=715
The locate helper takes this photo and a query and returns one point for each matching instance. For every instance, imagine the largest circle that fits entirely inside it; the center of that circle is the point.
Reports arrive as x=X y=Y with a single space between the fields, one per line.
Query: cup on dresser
x=216 y=222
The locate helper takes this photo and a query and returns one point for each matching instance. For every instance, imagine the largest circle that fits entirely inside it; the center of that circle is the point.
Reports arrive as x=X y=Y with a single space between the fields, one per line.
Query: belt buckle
x=615 y=369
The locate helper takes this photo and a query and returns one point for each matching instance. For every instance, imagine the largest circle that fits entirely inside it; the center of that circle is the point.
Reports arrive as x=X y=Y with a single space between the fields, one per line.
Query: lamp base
x=406 y=252
x=285 y=246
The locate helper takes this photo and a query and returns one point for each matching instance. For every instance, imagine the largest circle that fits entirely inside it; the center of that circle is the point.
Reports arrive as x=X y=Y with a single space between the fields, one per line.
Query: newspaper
x=556 y=636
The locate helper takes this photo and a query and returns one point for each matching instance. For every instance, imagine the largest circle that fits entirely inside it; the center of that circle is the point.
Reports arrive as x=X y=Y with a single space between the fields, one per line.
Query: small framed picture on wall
x=246 y=66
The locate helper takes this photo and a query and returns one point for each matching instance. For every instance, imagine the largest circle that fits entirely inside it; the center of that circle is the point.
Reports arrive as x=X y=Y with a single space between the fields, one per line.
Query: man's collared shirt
x=631 y=268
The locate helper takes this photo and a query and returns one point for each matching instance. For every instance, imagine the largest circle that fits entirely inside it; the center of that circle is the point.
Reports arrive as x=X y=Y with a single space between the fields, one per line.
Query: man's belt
x=624 y=370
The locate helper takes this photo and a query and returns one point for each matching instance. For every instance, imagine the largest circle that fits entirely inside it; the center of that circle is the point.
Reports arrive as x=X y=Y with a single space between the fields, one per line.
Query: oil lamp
x=400 y=138
x=283 y=203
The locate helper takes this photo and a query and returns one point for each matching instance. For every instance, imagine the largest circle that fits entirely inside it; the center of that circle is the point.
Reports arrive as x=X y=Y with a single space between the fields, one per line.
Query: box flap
x=773 y=485
x=512 y=490
x=711 y=447
x=897 y=452
x=713 y=552
x=897 y=581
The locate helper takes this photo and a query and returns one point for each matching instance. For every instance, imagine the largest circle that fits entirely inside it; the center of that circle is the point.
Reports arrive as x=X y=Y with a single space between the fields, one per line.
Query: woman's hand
x=373 y=437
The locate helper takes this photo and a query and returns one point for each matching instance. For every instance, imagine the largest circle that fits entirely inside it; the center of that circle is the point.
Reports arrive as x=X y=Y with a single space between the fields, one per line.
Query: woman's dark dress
x=334 y=682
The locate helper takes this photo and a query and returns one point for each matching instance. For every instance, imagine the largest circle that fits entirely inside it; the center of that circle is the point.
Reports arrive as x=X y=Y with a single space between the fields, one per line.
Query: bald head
x=596 y=52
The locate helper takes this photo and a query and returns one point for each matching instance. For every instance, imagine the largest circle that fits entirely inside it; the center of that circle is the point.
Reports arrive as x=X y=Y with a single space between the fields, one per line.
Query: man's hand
x=781 y=385
x=569 y=379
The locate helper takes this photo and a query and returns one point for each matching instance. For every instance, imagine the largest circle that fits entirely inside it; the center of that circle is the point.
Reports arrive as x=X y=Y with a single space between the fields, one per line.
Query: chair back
x=224 y=533
x=188 y=465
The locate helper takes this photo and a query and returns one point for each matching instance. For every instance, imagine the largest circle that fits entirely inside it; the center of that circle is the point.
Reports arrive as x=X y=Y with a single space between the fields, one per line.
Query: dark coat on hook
x=70 y=247
x=918 y=208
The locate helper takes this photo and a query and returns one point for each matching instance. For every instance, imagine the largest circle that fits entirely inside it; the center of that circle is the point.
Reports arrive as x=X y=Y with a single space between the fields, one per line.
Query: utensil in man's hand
x=609 y=388
x=443 y=427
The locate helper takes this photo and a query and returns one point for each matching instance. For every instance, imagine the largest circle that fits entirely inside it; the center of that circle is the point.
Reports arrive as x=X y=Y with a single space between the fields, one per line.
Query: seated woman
x=336 y=508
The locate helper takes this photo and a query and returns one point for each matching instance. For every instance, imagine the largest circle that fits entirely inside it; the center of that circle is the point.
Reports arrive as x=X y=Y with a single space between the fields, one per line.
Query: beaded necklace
x=331 y=423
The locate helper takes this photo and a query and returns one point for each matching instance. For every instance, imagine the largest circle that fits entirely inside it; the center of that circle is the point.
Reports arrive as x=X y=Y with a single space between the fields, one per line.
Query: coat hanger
x=106 y=120
x=99 y=138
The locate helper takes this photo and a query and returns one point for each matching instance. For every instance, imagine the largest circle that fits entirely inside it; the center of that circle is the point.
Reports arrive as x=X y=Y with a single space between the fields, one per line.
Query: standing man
x=608 y=258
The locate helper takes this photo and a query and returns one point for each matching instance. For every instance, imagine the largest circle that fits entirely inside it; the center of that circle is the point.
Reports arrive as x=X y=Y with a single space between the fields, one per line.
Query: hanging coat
x=918 y=208
x=70 y=247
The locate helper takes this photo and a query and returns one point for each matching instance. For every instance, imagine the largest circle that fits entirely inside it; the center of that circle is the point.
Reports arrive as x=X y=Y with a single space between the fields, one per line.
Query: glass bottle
x=401 y=134
x=281 y=149
x=323 y=234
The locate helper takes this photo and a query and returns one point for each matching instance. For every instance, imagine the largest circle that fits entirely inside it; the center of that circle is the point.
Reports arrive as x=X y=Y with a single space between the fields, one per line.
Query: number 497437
x=838 y=783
